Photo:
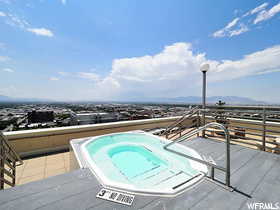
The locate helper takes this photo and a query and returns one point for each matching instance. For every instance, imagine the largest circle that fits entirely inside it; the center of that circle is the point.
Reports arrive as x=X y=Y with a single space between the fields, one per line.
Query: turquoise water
x=104 y=141
x=139 y=160
x=134 y=161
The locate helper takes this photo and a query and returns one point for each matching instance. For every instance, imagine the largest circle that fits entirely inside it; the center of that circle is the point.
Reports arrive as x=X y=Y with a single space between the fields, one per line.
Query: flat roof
x=92 y=113
x=254 y=177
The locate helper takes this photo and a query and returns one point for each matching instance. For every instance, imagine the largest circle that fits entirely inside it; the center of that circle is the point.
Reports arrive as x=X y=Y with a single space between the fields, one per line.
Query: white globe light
x=204 y=67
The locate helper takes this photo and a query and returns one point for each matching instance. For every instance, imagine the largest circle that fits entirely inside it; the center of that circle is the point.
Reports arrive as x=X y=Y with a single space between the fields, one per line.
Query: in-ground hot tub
x=136 y=162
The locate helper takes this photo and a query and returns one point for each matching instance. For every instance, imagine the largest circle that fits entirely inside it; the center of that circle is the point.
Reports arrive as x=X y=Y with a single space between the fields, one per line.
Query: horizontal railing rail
x=245 y=107
x=8 y=162
x=225 y=169
x=260 y=130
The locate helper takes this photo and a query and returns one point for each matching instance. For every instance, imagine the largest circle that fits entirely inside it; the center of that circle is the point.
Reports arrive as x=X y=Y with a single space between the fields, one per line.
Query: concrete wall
x=38 y=141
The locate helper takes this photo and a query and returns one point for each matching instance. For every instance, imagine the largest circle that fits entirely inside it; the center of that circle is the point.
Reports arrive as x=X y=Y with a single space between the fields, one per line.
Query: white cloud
x=243 y=28
x=15 y=21
x=260 y=62
x=219 y=33
x=175 y=70
x=222 y=32
x=232 y=23
x=152 y=75
x=53 y=78
x=8 y=70
x=41 y=31
x=231 y=29
x=89 y=76
x=259 y=8
x=240 y=25
x=63 y=2
x=265 y=15
x=19 y=22
x=2 y=14
x=4 y=58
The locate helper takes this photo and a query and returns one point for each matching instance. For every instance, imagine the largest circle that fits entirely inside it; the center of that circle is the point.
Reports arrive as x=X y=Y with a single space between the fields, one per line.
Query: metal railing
x=8 y=163
x=250 y=127
x=225 y=169
x=177 y=128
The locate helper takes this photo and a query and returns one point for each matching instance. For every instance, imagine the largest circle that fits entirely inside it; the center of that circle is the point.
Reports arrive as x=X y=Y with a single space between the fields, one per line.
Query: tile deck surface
x=254 y=177
x=38 y=168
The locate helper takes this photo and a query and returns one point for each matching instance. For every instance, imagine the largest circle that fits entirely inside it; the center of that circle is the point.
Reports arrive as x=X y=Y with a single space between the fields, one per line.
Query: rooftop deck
x=38 y=168
x=254 y=176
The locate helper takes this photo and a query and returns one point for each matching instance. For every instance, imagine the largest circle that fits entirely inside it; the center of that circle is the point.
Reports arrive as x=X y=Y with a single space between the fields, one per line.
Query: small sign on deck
x=114 y=196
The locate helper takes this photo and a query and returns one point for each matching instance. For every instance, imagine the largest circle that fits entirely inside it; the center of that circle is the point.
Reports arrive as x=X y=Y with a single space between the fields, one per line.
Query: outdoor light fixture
x=204 y=68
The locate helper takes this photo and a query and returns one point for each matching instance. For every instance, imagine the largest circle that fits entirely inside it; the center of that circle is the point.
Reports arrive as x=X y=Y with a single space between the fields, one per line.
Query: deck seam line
x=253 y=156
x=217 y=187
x=258 y=184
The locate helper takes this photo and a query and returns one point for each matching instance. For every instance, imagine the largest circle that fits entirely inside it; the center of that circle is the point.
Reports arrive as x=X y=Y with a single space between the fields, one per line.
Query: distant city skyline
x=229 y=100
x=128 y=50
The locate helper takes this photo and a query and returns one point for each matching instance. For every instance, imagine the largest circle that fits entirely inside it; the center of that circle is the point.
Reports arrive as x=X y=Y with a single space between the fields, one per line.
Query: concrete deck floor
x=38 y=168
x=42 y=167
x=254 y=176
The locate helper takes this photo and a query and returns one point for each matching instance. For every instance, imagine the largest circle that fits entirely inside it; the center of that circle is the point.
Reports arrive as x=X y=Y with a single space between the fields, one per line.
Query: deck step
x=177 y=180
x=150 y=173
x=159 y=177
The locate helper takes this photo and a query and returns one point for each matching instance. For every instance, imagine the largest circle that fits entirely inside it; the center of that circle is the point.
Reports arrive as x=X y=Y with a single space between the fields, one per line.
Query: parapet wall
x=39 y=141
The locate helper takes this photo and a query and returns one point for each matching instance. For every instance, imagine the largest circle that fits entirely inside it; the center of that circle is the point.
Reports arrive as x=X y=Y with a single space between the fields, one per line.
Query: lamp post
x=204 y=68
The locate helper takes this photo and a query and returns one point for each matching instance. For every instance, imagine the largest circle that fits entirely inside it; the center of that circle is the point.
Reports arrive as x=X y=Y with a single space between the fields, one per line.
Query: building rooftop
x=255 y=178
x=45 y=181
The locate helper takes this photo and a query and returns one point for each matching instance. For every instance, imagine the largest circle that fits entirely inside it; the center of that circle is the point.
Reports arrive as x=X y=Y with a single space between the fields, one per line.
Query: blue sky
x=130 y=49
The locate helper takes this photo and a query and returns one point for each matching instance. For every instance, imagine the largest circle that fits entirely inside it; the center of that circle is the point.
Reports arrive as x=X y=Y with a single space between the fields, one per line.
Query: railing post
x=264 y=129
x=1 y=164
x=212 y=173
x=203 y=122
x=197 y=122
x=227 y=157
x=14 y=173
x=203 y=100
x=180 y=128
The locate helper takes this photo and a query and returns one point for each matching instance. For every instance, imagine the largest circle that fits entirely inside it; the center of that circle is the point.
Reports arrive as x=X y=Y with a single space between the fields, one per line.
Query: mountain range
x=188 y=99
x=212 y=100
